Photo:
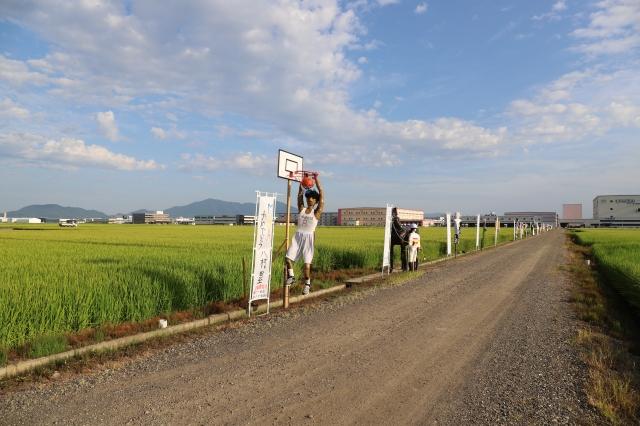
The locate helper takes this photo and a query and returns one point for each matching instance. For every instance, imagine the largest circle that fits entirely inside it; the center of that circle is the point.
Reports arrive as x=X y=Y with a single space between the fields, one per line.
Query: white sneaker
x=291 y=280
x=306 y=289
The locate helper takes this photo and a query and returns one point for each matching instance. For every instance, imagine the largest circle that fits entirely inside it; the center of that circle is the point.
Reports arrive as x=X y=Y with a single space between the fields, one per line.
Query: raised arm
x=300 y=198
x=320 y=207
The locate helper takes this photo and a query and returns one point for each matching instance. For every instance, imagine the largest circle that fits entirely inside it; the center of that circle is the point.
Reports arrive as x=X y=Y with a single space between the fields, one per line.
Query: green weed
x=47 y=345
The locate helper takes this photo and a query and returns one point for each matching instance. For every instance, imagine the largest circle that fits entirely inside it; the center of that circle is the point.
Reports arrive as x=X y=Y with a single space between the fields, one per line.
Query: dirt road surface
x=483 y=339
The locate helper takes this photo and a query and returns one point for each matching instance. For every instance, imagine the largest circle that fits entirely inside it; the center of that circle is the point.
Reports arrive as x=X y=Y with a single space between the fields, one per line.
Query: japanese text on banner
x=261 y=278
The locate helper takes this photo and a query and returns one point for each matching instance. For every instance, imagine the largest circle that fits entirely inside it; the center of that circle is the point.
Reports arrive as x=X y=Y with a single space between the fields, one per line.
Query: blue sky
x=474 y=106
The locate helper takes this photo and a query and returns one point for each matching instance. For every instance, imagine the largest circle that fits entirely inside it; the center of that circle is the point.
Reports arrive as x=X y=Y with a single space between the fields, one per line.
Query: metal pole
x=478 y=233
x=448 y=219
x=285 y=287
x=244 y=284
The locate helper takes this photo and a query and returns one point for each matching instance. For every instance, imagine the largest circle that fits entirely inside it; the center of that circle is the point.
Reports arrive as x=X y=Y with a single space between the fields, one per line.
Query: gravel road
x=483 y=339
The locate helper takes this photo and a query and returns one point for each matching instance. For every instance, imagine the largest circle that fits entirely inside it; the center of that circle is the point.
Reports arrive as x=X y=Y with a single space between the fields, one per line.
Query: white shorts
x=301 y=246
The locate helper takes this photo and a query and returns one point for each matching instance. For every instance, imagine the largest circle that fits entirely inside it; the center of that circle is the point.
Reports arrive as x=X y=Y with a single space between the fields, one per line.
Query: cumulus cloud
x=559 y=6
x=554 y=13
x=19 y=73
x=577 y=105
x=304 y=96
x=107 y=125
x=159 y=133
x=421 y=8
x=9 y=109
x=614 y=28
x=254 y=164
x=68 y=152
x=171 y=133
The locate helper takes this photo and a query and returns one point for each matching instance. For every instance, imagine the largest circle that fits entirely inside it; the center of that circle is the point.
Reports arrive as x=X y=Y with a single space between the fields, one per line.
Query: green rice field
x=617 y=257
x=60 y=280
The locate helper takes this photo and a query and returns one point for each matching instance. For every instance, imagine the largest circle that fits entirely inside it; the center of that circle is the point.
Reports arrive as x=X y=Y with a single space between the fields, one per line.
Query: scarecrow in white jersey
x=303 y=241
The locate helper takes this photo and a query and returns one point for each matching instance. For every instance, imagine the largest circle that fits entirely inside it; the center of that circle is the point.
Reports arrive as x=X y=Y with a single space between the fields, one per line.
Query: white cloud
x=107 y=125
x=254 y=164
x=67 y=152
x=613 y=28
x=554 y=13
x=302 y=96
x=19 y=73
x=171 y=133
x=579 y=105
x=421 y=8
x=159 y=133
x=559 y=6
x=627 y=114
x=9 y=109
x=387 y=2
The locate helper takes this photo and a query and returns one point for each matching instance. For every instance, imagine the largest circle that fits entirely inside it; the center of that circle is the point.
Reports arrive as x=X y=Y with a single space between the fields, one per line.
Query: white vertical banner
x=478 y=232
x=448 y=219
x=262 y=247
x=386 y=253
x=514 y=230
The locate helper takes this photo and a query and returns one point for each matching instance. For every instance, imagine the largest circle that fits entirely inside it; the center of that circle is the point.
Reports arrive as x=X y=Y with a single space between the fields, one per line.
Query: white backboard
x=287 y=163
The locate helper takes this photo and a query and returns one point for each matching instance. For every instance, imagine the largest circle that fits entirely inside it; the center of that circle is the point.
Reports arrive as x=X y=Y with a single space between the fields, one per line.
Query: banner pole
x=285 y=292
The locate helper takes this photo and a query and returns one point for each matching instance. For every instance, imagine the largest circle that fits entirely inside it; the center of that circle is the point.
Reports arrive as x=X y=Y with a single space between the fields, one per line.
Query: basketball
x=308 y=182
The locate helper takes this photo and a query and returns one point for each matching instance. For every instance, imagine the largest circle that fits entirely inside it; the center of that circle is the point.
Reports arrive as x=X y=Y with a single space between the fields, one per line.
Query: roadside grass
x=609 y=341
x=47 y=345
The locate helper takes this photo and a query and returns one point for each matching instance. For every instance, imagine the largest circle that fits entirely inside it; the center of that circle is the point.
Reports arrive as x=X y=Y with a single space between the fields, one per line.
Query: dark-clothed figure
x=399 y=236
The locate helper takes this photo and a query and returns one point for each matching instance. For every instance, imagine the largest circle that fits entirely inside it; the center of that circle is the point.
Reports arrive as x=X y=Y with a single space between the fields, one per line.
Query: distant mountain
x=213 y=207
x=55 y=211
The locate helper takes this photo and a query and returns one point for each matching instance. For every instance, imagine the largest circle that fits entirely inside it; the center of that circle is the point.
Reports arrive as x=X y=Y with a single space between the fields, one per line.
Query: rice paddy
x=59 y=280
x=617 y=256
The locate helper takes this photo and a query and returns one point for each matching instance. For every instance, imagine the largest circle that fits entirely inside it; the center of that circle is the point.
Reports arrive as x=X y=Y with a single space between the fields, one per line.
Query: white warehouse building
x=616 y=207
x=617 y=210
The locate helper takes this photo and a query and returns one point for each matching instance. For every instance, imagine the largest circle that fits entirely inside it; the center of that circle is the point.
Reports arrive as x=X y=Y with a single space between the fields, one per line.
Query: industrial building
x=326 y=219
x=610 y=211
x=243 y=219
x=572 y=211
x=151 y=217
x=239 y=219
x=25 y=220
x=617 y=207
x=119 y=220
x=507 y=220
x=543 y=218
x=376 y=216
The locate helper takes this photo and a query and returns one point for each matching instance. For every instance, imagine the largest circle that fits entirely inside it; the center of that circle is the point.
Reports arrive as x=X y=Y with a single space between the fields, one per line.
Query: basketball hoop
x=306 y=178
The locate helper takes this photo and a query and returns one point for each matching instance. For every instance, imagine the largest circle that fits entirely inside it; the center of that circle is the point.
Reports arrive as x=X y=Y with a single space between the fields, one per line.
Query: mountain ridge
x=206 y=207
x=55 y=211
